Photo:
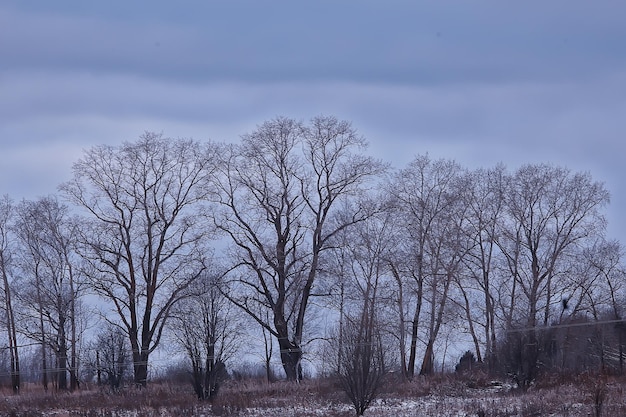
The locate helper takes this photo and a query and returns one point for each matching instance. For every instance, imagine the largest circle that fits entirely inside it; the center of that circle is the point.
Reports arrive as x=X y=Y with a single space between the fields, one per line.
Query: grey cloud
x=516 y=120
x=480 y=82
x=397 y=42
x=56 y=115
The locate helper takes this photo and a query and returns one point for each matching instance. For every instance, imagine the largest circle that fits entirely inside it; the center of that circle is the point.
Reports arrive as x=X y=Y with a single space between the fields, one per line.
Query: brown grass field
x=583 y=395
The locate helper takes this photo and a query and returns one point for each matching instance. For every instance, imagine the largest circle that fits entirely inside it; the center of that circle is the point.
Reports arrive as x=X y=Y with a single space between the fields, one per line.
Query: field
x=588 y=395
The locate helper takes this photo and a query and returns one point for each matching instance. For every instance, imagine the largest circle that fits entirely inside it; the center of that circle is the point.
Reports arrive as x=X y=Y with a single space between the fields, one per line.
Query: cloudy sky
x=481 y=82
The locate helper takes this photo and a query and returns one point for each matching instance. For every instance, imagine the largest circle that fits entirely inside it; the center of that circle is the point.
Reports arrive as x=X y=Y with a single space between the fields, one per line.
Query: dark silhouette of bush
x=466 y=363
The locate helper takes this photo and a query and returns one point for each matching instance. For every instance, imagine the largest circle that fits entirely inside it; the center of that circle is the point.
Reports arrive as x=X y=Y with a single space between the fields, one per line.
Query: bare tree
x=361 y=358
x=599 y=294
x=361 y=342
x=110 y=356
x=31 y=296
x=426 y=195
x=446 y=249
x=278 y=191
x=143 y=237
x=208 y=329
x=601 y=284
x=484 y=200
x=6 y=215
x=50 y=287
x=550 y=213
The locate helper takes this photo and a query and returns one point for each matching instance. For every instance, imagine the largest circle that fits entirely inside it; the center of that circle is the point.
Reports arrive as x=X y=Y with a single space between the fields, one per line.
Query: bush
x=466 y=363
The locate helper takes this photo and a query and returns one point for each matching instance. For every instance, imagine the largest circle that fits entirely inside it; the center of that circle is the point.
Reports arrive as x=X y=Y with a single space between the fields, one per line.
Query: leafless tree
x=50 y=287
x=484 y=199
x=31 y=298
x=362 y=347
x=446 y=249
x=110 y=356
x=550 y=213
x=6 y=249
x=278 y=192
x=143 y=236
x=209 y=331
x=601 y=280
x=426 y=195
x=362 y=359
x=598 y=295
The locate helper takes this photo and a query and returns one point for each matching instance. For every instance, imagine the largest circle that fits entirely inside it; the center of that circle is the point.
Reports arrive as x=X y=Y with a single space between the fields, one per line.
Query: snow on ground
x=493 y=399
x=509 y=406
x=428 y=406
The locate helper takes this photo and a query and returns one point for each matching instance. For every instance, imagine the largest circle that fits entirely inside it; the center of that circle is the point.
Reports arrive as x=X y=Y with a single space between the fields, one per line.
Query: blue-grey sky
x=481 y=82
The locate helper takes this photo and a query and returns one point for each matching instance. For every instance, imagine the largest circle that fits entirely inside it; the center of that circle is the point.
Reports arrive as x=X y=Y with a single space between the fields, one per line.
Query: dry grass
x=476 y=395
x=154 y=401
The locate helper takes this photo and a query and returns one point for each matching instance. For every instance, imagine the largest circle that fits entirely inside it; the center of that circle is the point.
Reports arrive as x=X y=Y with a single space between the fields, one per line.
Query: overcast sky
x=481 y=82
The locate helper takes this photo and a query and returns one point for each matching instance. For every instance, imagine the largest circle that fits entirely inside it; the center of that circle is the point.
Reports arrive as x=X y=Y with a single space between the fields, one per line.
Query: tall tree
x=50 y=286
x=363 y=268
x=208 y=330
x=6 y=248
x=110 y=356
x=426 y=195
x=278 y=192
x=550 y=214
x=484 y=199
x=598 y=290
x=446 y=247
x=143 y=236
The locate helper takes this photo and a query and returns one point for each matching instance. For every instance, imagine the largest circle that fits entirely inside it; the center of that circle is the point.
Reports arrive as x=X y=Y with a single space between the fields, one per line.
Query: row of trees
x=325 y=249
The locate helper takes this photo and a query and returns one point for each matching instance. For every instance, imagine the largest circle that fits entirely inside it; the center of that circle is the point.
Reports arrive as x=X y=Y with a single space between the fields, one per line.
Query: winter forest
x=295 y=253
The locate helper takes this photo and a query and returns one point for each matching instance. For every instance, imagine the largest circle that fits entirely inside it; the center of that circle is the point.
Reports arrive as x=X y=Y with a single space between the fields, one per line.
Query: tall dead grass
x=441 y=395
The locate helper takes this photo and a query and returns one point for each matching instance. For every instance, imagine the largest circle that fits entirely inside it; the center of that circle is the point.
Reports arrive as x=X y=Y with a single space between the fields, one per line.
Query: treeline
x=328 y=255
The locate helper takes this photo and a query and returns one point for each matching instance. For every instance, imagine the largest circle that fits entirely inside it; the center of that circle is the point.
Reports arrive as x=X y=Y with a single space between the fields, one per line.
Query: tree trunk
x=140 y=368
x=74 y=383
x=290 y=352
x=196 y=374
x=62 y=371
x=44 y=363
x=470 y=323
x=140 y=360
x=413 y=350
x=16 y=382
x=436 y=320
x=428 y=365
x=401 y=328
x=61 y=349
x=44 y=367
x=290 y=355
x=620 y=335
x=529 y=359
x=414 y=328
x=341 y=324
x=98 y=369
x=269 y=350
x=11 y=331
